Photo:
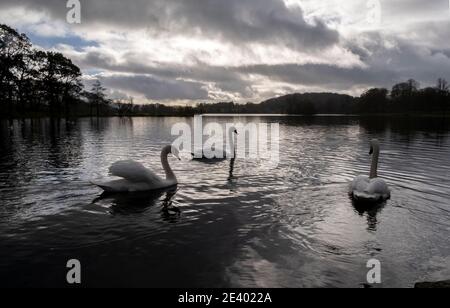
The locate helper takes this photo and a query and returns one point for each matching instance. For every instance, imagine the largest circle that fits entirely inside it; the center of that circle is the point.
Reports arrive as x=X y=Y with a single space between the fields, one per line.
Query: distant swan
x=201 y=155
x=137 y=178
x=372 y=188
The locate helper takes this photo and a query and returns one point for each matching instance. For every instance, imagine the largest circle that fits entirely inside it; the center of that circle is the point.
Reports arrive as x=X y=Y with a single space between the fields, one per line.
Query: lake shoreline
x=386 y=116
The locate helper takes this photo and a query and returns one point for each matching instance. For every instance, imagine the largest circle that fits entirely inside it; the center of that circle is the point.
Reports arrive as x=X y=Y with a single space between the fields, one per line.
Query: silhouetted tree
x=13 y=47
x=442 y=85
x=60 y=80
x=125 y=107
x=404 y=96
x=98 y=96
x=27 y=81
x=444 y=93
x=405 y=89
x=374 y=101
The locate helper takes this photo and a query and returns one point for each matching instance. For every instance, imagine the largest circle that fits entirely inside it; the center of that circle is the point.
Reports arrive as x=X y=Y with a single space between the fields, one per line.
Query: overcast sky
x=182 y=51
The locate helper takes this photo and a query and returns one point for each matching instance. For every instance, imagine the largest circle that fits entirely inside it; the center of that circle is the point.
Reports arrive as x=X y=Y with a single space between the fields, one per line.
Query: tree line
x=35 y=82
x=45 y=83
x=407 y=97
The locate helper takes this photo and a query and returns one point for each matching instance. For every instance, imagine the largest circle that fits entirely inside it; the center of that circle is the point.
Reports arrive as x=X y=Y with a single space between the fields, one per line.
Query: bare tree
x=442 y=85
x=98 y=96
x=444 y=91
x=125 y=107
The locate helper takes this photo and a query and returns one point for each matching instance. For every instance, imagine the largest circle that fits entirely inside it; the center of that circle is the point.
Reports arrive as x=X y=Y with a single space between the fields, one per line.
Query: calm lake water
x=293 y=226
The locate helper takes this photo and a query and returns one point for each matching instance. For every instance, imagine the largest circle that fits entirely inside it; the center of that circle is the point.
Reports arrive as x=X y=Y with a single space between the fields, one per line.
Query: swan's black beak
x=371 y=151
x=236 y=132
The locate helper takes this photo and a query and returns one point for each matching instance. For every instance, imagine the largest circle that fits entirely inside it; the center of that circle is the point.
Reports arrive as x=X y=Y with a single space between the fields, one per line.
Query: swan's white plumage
x=137 y=178
x=364 y=188
x=124 y=186
x=133 y=172
x=371 y=188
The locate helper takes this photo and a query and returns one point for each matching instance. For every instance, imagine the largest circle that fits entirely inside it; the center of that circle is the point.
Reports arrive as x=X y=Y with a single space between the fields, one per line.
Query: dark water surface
x=293 y=226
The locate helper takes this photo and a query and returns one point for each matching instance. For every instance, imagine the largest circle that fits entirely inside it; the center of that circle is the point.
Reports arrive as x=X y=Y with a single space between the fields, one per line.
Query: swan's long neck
x=170 y=176
x=231 y=142
x=375 y=158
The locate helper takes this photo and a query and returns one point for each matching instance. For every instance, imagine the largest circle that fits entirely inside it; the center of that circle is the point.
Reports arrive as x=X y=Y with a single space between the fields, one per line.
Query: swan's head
x=233 y=130
x=374 y=146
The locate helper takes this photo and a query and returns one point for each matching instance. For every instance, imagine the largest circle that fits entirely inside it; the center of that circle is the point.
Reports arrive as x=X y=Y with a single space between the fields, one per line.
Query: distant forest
x=35 y=83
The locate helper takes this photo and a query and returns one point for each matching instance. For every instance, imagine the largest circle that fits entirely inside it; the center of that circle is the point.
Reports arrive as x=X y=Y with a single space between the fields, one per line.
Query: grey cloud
x=435 y=34
x=266 y=22
x=326 y=76
x=156 y=89
x=408 y=59
x=227 y=79
x=411 y=10
x=117 y=95
x=384 y=67
x=241 y=21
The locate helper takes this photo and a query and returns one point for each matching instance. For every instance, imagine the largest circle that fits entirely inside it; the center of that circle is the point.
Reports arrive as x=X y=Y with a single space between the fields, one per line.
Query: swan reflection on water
x=371 y=210
x=231 y=176
x=140 y=202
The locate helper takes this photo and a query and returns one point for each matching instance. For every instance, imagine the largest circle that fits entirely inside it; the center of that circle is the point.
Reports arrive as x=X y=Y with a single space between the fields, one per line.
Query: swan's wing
x=117 y=186
x=379 y=187
x=359 y=184
x=134 y=172
x=372 y=190
x=122 y=186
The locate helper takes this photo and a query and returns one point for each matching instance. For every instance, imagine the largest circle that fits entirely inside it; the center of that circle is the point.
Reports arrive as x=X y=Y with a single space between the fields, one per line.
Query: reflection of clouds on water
x=436 y=269
x=261 y=272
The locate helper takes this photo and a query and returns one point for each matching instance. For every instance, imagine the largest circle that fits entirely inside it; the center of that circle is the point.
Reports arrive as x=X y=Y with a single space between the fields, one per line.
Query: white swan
x=137 y=178
x=371 y=188
x=201 y=155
